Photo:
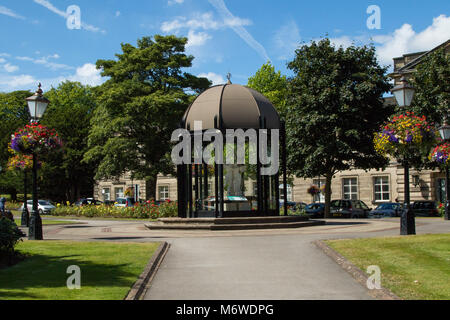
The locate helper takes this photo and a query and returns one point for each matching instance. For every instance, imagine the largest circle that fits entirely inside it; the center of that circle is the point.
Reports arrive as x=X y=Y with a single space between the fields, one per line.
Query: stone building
x=372 y=187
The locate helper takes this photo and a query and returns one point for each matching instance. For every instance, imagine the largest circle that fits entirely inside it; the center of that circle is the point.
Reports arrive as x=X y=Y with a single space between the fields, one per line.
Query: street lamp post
x=404 y=94
x=25 y=214
x=444 y=131
x=37 y=104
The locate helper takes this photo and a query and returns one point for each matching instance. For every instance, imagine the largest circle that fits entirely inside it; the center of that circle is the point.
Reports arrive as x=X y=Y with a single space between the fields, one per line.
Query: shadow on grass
x=25 y=279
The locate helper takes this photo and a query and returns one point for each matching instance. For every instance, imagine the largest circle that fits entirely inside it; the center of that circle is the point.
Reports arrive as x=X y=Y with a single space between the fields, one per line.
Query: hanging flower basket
x=22 y=162
x=441 y=154
x=35 y=138
x=313 y=190
x=404 y=135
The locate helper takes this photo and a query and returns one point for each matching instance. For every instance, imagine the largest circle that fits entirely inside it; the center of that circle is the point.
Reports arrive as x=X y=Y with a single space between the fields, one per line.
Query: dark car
x=88 y=202
x=349 y=209
x=425 y=209
x=388 y=209
x=315 y=210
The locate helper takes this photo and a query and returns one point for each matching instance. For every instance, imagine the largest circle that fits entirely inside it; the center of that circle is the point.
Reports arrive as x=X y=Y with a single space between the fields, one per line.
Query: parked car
x=388 y=209
x=125 y=202
x=290 y=204
x=315 y=210
x=44 y=206
x=88 y=201
x=425 y=209
x=349 y=209
x=300 y=206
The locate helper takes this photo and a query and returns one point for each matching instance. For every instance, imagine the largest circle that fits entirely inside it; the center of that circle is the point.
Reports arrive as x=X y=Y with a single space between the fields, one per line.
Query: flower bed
x=139 y=211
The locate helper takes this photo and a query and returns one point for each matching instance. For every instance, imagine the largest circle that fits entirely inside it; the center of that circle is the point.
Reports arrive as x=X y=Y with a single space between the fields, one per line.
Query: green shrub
x=441 y=209
x=10 y=235
x=140 y=211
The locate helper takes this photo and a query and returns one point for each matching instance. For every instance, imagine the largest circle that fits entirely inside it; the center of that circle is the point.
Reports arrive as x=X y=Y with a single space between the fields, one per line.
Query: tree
x=13 y=115
x=65 y=176
x=432 y=83
x=335 y=106
x=139 y=107
x=271 y=84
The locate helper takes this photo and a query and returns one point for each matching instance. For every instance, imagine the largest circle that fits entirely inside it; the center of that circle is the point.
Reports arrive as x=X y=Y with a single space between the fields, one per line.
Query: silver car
x=44 y=206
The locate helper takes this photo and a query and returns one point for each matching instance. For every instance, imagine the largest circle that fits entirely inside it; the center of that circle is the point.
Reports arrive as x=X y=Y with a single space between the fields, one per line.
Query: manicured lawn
x=18 y=214
x=412 y=267
x=108 y=270
x=47 y=222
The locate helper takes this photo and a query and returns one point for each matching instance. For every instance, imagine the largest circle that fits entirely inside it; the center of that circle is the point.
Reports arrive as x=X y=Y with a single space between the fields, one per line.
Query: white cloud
x=118 y=13
x=214 y=77
x=87 y=74
x=287 y=39
x=406 y=40
x=47 y=4
x=45 y=61
x=2 y=60
x=8 y=12
x=172 y=2
x=9 y=83
x=10 y=68
x=204 y=21
x=197 y=39
x=343 y=41
x=221 y=8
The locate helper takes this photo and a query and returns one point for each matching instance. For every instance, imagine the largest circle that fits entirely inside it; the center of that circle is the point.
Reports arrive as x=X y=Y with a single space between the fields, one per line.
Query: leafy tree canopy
x=271 y=84
x=139 y=107
x=432 y=83
x=335 y=106
x=71 y=108
x=13 y=115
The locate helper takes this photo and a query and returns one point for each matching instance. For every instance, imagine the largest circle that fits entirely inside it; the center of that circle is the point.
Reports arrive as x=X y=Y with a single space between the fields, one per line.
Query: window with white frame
x=320 y=197
x=350 y=188
x=381 y=189
x=118 y=192
x=106 y=194
x=288 y=191
x=163 y=192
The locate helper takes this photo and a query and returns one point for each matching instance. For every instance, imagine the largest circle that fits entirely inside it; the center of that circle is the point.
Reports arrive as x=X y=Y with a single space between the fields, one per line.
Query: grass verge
x=412 y=267
x=108 y=270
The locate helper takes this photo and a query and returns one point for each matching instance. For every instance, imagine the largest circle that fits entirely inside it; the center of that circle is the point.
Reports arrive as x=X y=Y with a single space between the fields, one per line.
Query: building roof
x=231 y=106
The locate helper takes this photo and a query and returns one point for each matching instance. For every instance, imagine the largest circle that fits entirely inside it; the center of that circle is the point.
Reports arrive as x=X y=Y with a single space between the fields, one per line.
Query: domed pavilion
x=231 y=190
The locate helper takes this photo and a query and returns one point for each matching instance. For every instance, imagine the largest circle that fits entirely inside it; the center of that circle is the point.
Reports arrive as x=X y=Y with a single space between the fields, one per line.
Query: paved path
x=256 y=264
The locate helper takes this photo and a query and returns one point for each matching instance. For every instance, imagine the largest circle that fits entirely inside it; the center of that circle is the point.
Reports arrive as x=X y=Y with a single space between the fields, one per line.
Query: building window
x=106 y=194
x=350 y=188
x=441 y=190
x=118 y=192
x=320 y=197
x=163 y=192
x=289 y=192
x=381 y=189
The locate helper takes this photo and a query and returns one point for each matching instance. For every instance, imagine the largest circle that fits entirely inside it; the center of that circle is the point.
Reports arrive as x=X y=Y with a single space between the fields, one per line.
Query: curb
x=355 y=272
x=143 y=283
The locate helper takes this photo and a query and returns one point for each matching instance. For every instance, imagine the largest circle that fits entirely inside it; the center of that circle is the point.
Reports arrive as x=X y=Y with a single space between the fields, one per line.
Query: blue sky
x=235 y=36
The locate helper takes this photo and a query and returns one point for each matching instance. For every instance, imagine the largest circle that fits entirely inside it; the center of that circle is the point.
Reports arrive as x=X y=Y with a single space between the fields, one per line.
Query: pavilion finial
x=229 y=78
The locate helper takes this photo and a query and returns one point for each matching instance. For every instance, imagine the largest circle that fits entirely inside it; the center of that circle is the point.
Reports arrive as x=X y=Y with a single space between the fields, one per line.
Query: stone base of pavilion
x=221 y=224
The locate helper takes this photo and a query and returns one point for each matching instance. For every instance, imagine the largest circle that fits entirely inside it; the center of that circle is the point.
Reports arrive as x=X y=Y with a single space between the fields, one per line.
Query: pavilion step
x=248 y=226
x=241 y=220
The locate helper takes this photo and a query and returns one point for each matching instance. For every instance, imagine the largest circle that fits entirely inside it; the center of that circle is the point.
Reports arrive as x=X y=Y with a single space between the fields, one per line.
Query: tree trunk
x=13 y=193
x=328 y=177
x=150 y=185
